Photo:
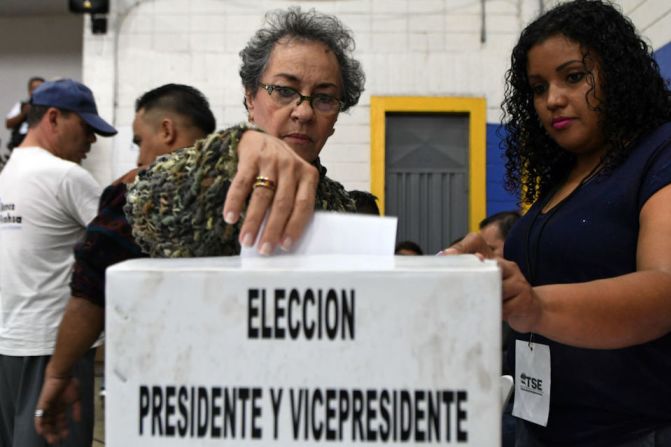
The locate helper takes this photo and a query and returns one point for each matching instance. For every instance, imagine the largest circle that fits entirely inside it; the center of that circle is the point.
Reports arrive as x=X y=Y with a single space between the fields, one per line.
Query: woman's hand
x=521 y=306
x=290 y=205
x=472 y=243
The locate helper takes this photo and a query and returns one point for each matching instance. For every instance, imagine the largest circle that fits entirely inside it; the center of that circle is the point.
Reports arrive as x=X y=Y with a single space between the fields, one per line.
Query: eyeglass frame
x=309 y=98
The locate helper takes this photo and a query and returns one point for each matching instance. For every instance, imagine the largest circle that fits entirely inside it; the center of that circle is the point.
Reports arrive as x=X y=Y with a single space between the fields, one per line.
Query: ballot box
x=303 y=350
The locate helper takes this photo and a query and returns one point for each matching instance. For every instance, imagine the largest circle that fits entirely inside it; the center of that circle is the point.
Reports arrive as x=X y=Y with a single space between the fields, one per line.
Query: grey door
x=426 y=177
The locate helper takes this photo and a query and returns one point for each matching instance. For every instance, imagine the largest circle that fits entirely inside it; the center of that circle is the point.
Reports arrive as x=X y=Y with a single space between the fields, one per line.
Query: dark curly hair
x=635 y=99
x=309 y=26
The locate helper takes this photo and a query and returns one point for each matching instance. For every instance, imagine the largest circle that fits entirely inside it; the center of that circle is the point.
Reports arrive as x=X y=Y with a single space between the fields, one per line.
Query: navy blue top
x=599 y=397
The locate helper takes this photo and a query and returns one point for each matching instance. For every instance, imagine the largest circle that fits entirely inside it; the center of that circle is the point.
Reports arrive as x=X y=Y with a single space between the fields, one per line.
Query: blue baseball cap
x=74 y=97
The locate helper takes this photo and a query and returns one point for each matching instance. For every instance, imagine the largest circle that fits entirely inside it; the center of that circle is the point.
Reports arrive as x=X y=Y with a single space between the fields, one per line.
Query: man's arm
x=107 y=241
x=82 y=323
x=17 y=115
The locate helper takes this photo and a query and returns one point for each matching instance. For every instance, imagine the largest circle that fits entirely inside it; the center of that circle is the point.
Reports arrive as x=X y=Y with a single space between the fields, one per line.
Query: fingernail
x=247 y=240
x=266 y=249
x=450 y=251
x=229 y=217
x=287 y=243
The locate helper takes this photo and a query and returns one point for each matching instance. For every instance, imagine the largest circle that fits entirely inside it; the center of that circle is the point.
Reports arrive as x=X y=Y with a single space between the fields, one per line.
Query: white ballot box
x=303 y=350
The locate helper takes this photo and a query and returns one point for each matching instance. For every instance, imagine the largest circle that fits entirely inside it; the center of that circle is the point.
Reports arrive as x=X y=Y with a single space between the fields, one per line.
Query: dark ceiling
x=9 y=8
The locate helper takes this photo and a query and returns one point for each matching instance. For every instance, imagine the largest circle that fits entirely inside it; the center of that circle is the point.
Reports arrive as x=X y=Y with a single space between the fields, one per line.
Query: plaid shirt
x=108 y=240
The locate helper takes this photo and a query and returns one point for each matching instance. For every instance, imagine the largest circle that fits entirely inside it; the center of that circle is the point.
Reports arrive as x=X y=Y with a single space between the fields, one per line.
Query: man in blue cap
x=46 y=201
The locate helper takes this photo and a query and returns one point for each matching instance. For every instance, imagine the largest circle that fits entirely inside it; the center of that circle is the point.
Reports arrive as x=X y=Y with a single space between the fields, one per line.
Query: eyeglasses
x=320 y=102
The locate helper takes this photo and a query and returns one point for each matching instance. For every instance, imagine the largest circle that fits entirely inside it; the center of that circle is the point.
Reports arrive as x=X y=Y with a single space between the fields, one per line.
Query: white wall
x=47 y=46
x=407 y=47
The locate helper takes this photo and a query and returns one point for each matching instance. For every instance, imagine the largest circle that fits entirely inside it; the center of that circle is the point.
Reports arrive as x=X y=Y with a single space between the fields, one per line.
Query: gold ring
x=39 y=413
x=265 y=182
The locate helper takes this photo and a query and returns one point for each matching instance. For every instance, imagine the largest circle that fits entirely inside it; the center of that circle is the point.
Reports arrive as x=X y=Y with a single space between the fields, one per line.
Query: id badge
x=532 y=382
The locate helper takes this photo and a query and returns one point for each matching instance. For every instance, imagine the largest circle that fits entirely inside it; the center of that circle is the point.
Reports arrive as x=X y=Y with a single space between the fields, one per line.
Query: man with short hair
x=16 y=119
x=46 y=201
x=408 y=248
x=170 y=117
x=167 y=118
x=495 y=228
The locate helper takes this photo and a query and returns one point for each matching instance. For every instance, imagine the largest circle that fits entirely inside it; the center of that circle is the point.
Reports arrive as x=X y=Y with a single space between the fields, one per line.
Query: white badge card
x=532 y=382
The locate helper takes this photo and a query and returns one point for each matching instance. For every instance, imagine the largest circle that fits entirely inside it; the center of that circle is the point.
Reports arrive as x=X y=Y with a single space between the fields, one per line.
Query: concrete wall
x=407 y=47
x=47 y=46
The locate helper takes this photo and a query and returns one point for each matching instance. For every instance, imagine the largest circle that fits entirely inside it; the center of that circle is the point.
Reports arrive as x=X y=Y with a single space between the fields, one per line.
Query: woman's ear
x=249 y=103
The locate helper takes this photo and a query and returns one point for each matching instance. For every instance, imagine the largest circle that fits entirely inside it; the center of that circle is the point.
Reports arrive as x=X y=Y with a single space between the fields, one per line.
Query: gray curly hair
x=306 y=25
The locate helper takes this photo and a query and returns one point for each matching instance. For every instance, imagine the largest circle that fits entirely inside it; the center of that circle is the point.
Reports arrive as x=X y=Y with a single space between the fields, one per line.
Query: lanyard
x=532 y=256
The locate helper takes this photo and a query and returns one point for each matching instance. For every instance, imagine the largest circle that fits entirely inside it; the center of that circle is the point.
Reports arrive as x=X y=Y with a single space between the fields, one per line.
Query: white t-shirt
x=45 y=204
x=14 y=112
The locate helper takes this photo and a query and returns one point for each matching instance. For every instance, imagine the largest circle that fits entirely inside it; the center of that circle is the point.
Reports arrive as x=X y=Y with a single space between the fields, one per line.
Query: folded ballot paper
x=342 y=233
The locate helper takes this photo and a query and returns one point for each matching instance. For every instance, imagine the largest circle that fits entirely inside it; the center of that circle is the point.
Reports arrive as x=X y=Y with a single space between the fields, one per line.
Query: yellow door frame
x=476 y=109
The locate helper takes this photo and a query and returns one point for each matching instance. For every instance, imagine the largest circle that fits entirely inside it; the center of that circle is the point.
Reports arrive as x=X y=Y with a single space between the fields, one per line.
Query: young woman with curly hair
x=587 y=271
